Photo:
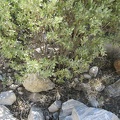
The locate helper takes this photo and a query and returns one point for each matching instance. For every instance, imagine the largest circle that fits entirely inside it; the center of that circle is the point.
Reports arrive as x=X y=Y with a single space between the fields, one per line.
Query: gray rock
x=36 y=83
x=1 y=78
x=93 y=71
x=93 y=102
x=5 y=113
x=68 y=106
x=36 y=114
x=55 y=116
x=7 y=98
x=114 y=89
x=55 y=106
x=68 y=118
x=87 y=76
x=92 y=114
x=77 y=112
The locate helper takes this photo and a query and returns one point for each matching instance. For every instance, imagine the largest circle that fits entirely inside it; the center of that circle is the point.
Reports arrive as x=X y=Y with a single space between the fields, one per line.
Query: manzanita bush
x=58 y=38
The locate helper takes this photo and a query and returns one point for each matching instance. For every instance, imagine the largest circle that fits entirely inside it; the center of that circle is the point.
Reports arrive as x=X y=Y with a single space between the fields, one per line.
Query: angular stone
x=93 y=71
x=7 y=98
x=68 y=106
x=114 y=89
x=36 y=83
x=5 y=113
x=55 y=106
x=36 y=114
x=92 y=114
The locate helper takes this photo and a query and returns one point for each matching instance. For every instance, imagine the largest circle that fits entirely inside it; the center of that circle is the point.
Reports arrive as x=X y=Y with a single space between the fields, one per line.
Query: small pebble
x=76 y=80
x=93 y=71
x=13 y=86
x=19 y=88
x=21 y=93
x=9 y=70
x=87 y=76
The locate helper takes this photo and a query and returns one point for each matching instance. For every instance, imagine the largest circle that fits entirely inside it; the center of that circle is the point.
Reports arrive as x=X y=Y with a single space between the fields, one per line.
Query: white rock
x=13 y=86
x=36 y=114
x=7 y=98
x=55 y=106
x=93 y=71
x=36 y=83
x=5 y=113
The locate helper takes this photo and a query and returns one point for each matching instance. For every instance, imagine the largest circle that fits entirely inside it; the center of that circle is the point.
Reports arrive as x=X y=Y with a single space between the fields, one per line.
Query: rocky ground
x=25 y=99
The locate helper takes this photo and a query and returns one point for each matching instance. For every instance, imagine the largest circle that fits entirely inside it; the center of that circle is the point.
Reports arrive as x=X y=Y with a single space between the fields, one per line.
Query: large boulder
x=36 y=83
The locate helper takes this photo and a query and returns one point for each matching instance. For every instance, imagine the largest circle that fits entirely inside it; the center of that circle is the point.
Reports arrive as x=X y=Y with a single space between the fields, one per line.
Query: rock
x=55 y=106
x=93 y=71
x=77 y=112
x=68 y=106
x=114 y=89
x=117 y=66
x=86 y=76
x=76 y=80
x=7 y=98
x=92 y=114
x=36 y=114
x=93 y=102
x=1 y=78
x=13 y=86
x=68 y=118
x=55 y=116
x=36 y=83
x=9 y=81
x=99 y=87
x=20 y=93
x=20 y=88
x=5 y=113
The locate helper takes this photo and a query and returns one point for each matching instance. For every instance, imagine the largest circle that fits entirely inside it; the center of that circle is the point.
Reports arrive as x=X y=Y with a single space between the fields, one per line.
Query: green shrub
x=69 y=34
